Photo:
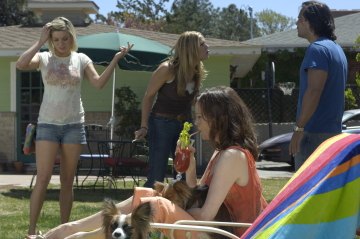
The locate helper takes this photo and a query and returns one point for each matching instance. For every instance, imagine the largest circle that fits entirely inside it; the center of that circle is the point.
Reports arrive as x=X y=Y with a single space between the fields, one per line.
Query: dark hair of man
x=230 y=121
x=320 y=19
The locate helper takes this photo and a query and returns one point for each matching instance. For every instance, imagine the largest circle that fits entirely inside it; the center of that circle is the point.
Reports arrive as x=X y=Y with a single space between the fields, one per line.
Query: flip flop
x=38 y=236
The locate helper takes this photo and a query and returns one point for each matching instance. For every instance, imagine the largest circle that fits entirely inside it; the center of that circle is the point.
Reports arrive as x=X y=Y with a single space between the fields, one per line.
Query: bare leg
x=70 y=154
x=45 y=157
x=92 y=222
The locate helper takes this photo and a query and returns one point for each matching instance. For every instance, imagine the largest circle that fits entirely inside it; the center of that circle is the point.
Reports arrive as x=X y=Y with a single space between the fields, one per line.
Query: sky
x=289 y=8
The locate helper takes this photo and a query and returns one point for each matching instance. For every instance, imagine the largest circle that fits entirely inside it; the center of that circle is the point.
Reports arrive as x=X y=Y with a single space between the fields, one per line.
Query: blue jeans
x=309 y=144
x=162 y=137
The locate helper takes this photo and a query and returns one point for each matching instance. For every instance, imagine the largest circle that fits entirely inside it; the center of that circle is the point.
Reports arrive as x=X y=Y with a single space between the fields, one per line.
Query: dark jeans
x=309 y=144
x=162 y=137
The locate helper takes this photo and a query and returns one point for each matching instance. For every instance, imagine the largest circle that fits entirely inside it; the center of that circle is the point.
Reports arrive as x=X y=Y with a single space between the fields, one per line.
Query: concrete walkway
x=9 y=180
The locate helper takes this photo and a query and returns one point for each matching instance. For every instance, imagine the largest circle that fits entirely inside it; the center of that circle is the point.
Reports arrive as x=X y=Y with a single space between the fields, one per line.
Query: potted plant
x=19 y=166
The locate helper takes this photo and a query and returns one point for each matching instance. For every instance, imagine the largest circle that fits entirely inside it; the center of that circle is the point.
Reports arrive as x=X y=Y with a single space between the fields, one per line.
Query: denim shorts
x=61 y=134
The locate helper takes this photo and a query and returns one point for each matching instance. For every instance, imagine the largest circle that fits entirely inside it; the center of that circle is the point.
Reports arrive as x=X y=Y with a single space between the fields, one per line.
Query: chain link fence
x=283 y=107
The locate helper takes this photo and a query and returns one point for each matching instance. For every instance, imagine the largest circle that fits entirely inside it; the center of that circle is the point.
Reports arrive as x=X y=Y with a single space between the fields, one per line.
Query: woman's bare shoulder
x=165 y=69
x=233 y=154
x=166 y=66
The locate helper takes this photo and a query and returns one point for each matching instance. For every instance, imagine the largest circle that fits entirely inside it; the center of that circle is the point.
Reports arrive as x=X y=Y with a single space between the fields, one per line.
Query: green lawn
x=14 y=206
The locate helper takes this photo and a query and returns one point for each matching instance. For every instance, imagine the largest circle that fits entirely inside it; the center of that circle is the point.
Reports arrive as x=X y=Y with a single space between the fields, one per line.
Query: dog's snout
x=117 y=234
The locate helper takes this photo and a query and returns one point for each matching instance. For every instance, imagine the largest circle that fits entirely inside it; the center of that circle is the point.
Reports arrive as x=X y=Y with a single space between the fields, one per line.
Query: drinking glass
x=182 y=160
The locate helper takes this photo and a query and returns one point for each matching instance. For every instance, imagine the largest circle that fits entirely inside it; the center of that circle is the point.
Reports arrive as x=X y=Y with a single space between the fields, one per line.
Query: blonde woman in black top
x=176 y=83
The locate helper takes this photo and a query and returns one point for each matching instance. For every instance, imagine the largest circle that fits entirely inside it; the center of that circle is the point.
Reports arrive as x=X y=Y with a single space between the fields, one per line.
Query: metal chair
x=90 y=161
x=201 y=226
x=126 y=158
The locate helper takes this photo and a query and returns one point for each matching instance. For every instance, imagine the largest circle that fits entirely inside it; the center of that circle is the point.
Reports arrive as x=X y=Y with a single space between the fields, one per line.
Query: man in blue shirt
x=323 y=76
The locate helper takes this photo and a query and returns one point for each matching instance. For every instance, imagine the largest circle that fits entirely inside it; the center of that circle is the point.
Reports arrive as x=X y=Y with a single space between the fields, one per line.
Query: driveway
x=268 y=169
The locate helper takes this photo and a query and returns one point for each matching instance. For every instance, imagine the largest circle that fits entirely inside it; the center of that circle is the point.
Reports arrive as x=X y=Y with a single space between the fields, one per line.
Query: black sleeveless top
x=169 y=102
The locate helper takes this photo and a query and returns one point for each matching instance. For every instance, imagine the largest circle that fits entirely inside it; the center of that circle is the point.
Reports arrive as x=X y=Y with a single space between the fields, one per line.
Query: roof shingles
x=347 y=30
x=20 y=37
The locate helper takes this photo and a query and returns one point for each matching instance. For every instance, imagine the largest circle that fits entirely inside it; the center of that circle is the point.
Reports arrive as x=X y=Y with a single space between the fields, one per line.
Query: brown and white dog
x=133 y=226
x=179 y=192
x=185 y=197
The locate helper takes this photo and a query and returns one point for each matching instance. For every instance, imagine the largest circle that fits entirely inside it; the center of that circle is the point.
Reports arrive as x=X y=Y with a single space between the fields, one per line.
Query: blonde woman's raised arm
x=28 y=60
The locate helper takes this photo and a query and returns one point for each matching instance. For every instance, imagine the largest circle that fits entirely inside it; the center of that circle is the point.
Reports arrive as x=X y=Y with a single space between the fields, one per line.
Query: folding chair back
x=321 y=200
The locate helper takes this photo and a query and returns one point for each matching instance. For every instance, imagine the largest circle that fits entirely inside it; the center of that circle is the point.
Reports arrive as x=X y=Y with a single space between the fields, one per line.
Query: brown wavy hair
x=186 y=61
x=230 y=121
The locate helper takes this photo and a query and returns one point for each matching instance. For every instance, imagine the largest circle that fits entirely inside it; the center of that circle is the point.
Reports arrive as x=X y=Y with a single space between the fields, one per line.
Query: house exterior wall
x=7 y=137
x=100 y=100
x=75 y=16
x=5 y=82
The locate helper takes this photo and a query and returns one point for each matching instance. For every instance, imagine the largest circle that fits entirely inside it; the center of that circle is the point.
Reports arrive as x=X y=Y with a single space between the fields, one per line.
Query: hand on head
x=45 y=33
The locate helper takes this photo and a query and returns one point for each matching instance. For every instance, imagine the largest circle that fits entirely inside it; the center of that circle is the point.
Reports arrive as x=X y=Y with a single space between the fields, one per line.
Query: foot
x=60 y=232
x=38 y=236
x=30 y=237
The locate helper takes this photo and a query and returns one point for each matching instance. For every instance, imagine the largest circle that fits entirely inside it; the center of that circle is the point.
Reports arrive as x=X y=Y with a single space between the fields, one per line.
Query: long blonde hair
x=186 y=61
x=62 y=24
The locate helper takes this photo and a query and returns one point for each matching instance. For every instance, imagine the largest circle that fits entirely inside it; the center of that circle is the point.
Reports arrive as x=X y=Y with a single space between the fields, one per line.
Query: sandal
x=38 y=236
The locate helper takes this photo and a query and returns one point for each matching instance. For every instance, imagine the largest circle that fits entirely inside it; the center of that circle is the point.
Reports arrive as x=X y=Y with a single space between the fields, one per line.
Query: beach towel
x=29 y=144
x=321 y=200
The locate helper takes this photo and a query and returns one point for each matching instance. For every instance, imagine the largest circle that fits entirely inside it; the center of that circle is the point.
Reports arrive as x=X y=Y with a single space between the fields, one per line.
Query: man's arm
x=316 y=83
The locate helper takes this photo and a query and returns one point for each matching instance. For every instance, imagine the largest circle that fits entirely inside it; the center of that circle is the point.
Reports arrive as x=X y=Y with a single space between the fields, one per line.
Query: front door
x=29 y=94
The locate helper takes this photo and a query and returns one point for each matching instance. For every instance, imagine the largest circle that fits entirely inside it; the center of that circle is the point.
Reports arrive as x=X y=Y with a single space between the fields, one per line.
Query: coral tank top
x=243 y=203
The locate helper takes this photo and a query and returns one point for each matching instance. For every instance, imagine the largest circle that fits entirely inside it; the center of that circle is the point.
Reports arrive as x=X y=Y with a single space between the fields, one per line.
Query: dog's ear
x=109 y=207
x=108 y=213
x=159 y=187
x=183 y=189
x=141 y=217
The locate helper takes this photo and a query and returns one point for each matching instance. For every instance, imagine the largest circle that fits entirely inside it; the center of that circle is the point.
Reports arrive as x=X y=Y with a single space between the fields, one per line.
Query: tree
x=271 y=22
x=128 y=20
x=191 y=15
x=127 y=109
x=138 y=14
x=131 y=21
x=15 y=12
x=350 y=99
x=234 y=24
x=147 y=9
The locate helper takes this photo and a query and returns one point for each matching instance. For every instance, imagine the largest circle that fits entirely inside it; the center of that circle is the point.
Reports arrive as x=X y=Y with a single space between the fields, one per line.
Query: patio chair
x=201 y=226
x=89 y=162
x=123 y=158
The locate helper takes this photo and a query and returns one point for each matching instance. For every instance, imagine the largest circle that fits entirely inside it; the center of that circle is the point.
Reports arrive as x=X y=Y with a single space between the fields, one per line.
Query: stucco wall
x=7 y=137
x=5 y=83
x=100 y=100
